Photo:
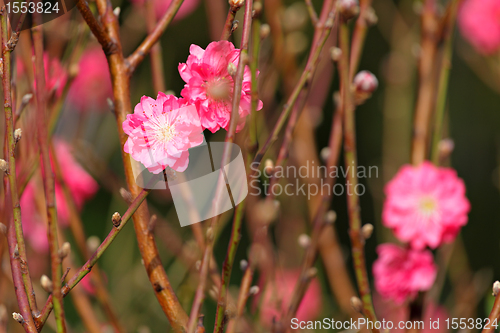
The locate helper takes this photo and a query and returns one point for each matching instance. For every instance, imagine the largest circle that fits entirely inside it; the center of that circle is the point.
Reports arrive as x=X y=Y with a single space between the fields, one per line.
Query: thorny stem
x=357 y=240
x=48 y=177
x=85 y=269
x=444 y=76
x=200 y=292
x=10 y=180
x=138 y=56
x=426 y=91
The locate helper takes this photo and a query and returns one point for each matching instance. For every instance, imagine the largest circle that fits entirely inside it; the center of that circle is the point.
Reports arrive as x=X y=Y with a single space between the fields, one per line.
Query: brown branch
x=121 y=91
x=137 y=57
x=495 y=311
x=103 y=38
x=48 y=176
x=230 y=24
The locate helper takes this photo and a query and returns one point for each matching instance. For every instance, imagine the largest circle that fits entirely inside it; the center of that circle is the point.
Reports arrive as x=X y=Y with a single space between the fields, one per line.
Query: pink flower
x=92 y=86
x=479 y=22
x=210 y=87
x=425 y=205
x=80 y=184
x=161 y=131
x=278 y=295
x=56 y=76
x=401 y=273
x=161 y=6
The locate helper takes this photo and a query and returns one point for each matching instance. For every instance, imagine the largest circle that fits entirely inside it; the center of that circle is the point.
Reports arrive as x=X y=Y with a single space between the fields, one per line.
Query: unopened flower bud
x=335 y=53
x=365 y=82
x=371 y=17
x=356 y=304
x=254 y=290
x=65 y=250
x=26 y=98
x=210 y=234
x=446 y=147
x=312 y=272
x=3 y=313
x=17 y=135
x=230 y=311
x=126 y=195
x=231 y=68
x=197 y=265
x=496 y=288
x=268 y=167
x=348 y=8
x=304 y=241
x=236 y=3
x=46 y=283
x=243 y=265
x=367 y=230
x=265 y=29
x=16 y=250
x=17 y=317
x=4 y=166
x=330 y=217
x=116 y=219
x=3 y=229
x=93 y=243
x=117 y=11
x=325 y=154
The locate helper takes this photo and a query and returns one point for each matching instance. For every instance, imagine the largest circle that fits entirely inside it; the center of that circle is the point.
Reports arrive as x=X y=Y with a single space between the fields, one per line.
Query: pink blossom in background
x=80 y=184
x=161 y=131
x=401 y=273
x=479 y=22
x=210 y=87
x=56 y=76
x=277 y=298
x=425 y=205
x=92 y=86
x=161 y=6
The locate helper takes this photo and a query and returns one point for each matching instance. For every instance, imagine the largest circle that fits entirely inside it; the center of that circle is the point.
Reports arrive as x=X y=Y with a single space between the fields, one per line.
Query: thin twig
x=156 y=51
x=245 y=285
x=230 y=24
x=426 y=91
x=138 y=56
x=493 y=317
x=120 y=76
x=312 y=13
x=359 y=36
x=357 y=240
x=85 y=269
x=238 y=84
x=444 y=76
x=10 y=181
x=48 y=176
x=103 y=38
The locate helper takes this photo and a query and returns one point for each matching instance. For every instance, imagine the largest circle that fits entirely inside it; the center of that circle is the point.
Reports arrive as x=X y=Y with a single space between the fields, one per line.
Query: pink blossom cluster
x=479 y=22
x=425 y=207
x=81 y=187
x=161 y=131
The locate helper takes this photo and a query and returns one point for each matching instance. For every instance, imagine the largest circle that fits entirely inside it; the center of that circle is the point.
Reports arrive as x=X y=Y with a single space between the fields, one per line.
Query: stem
x=254 y=64
x=48 y=177
x=138 y=56
x=120 y=75
x=229 y=25
x=156 y=51
x=200 y=292
x=426 y=92
x=493 y=317
x=357 y=240
x=97 y=254
x=10 y=181
x=78 y=232
x=444 y=76
x=358 y=37
x=304 y=78
x=246 y=283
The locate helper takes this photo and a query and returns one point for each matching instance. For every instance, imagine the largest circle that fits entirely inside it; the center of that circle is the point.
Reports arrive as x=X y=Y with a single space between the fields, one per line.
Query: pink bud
x=365 y=82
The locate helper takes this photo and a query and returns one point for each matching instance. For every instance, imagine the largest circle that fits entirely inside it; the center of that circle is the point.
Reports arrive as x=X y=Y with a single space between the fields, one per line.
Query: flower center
x=427 y=206
x=165 y=133
x=219 y=90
